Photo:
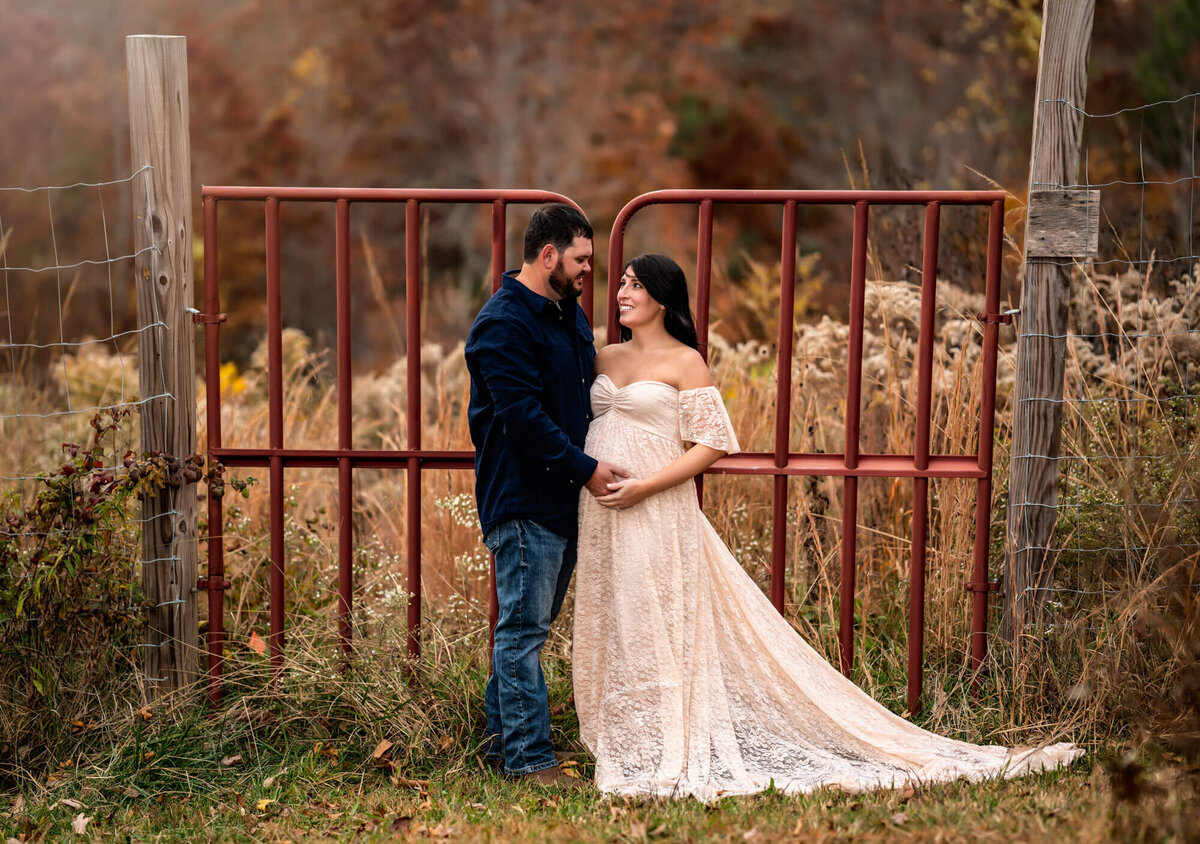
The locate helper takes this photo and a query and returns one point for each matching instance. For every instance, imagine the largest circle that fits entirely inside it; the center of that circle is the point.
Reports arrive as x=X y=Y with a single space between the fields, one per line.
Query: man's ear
x=549 y=256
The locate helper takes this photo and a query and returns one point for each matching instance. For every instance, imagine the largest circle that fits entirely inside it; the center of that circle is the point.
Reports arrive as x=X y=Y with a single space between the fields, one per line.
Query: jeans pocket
x=491 y=539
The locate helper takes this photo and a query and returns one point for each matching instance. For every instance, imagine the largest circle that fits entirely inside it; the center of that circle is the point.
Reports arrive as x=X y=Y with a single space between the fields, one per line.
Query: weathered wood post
x=158 y=132
x=1061 y=225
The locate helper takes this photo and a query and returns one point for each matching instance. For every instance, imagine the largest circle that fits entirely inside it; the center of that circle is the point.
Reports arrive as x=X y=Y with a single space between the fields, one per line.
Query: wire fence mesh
x=69 y=411
x=1129 y=484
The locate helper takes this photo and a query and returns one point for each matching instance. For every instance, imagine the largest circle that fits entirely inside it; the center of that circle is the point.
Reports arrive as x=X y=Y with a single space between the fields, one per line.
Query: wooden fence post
x=1045 y=293
x=158 y=132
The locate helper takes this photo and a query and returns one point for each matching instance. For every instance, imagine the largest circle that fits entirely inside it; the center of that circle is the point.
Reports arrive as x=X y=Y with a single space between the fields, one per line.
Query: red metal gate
x=780 y=463
x=850 y=464
x=344 y=458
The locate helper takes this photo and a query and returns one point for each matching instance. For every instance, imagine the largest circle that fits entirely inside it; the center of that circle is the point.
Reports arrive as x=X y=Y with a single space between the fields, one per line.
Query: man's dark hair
x=556 y=224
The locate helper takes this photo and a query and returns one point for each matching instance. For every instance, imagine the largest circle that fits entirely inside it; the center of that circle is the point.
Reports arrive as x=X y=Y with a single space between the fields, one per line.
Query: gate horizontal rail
x=851 y=464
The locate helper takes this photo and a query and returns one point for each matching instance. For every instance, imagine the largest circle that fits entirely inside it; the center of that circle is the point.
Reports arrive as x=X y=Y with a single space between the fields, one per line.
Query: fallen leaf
x=261 y=805
x=80 y=823
x=148 y=755
x=19 y=804
x=131 y=792
x=269 y=781
x=401 y=823
x=145 y=714
x=420 y=785
x=907 y=794
x=74 y=804
x=445 y=742
x=257 y=644
x=440 y=831
x=232 y=760
x=383 y=747
x=750 y=835
x=900 y=819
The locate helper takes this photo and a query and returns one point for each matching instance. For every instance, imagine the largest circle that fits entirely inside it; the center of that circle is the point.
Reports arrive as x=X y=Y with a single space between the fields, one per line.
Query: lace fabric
x=687 y=681
x=703 y=420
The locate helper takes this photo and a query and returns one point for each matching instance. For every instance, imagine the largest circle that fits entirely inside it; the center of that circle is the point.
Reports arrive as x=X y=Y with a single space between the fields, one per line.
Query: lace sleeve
x=703 y=420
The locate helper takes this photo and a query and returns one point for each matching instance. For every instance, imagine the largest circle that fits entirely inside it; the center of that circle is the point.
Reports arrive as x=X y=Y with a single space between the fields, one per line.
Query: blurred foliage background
x=600 y=102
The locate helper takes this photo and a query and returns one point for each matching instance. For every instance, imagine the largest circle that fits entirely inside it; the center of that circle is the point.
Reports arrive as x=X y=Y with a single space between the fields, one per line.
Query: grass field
x=1115 y=664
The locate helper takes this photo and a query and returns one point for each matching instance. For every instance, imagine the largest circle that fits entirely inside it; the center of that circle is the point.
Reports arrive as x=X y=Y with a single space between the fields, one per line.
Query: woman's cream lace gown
x=687 y=681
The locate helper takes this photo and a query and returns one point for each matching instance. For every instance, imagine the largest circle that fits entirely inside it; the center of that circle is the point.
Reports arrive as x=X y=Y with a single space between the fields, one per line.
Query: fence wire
x=71 y=345
x=1128 y=508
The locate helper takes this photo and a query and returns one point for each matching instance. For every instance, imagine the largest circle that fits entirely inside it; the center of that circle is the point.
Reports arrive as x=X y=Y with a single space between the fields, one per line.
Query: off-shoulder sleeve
x=703 y=420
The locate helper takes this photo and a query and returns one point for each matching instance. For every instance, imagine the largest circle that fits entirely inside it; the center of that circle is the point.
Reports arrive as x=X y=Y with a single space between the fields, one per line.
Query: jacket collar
x=536 y=302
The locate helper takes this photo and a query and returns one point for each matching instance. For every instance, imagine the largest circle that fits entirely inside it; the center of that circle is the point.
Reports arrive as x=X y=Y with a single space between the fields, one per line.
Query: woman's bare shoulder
x=692 y=370
x=607 y=356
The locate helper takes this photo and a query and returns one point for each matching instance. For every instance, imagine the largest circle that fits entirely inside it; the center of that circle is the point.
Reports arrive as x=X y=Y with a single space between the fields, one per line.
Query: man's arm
x=504 y=357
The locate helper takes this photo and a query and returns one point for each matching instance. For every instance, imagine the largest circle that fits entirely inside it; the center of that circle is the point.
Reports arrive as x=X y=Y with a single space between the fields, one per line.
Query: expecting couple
x=687 y=681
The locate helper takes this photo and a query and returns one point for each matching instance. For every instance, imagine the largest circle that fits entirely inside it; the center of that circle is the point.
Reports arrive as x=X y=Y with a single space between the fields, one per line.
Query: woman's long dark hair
x=665 y=282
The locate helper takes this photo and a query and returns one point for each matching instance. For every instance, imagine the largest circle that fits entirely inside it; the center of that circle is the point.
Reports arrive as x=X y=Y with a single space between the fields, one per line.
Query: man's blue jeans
x=533 y=568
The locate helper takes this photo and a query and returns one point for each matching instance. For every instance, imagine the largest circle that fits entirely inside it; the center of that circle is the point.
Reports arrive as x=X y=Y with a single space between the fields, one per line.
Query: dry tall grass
x=1117 y=659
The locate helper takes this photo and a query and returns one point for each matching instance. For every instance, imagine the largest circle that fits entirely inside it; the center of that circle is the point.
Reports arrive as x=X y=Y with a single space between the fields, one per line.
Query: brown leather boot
x=555 y=777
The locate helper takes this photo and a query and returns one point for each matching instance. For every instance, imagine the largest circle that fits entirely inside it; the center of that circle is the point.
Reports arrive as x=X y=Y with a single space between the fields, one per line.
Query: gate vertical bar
x=703 y=285
x=987 y=422
x=345 y=427
x=920 y=517
x=703 y=273
x=783 y=401
x=275 y=427
x=412 y=295
x=216 y=515
x=858 y=281
x=499 y=249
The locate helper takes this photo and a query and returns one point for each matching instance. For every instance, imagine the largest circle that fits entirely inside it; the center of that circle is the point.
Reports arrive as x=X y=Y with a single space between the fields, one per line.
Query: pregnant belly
x=619 y=441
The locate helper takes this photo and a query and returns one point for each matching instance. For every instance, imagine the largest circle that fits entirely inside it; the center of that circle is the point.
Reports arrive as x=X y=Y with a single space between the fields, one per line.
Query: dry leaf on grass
x=900 y=819
x=383 y=747
x=80 y=823
x=261 y=805
x=420 y=785
x=232 y=760
x=257 y=644
x=145 y=714
x=74 y=804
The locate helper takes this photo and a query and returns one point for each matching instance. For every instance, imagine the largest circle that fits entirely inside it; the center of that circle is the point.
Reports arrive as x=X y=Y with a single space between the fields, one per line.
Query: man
x=530 y=357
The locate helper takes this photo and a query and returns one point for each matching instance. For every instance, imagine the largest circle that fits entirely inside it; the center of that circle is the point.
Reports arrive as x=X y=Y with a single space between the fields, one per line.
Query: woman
x=687 y=681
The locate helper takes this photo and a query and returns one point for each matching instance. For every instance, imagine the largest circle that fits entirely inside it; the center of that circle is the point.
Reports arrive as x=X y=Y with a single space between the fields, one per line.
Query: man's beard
x=561 y=284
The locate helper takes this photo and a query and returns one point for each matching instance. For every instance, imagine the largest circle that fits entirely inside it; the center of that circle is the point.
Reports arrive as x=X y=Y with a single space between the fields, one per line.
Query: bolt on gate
x=851 y=464
x=780 y=463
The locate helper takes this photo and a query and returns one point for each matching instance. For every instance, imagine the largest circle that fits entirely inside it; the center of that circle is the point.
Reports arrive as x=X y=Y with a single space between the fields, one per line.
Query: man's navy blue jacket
x=531 y=365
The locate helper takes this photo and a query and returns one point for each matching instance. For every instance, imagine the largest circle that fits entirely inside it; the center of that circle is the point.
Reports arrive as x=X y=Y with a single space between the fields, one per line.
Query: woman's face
x=635 y=305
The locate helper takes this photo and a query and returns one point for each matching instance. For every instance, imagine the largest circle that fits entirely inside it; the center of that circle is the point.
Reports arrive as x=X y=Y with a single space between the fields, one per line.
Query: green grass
x=297 y=763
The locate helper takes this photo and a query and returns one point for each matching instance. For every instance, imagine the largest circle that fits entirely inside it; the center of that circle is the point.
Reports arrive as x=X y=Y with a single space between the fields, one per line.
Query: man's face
x=566 y=279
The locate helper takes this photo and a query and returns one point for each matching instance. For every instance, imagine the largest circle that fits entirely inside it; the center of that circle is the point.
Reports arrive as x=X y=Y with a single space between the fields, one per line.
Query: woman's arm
x=629 y=492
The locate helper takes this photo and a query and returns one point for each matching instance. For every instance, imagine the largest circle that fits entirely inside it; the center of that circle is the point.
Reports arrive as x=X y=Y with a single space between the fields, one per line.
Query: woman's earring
x=662 y=307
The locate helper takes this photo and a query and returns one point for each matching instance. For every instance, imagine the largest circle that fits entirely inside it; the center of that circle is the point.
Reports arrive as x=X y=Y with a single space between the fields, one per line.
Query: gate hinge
x=213 y=583
x=199 y=318
x=996 y=319
x=988 y=586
